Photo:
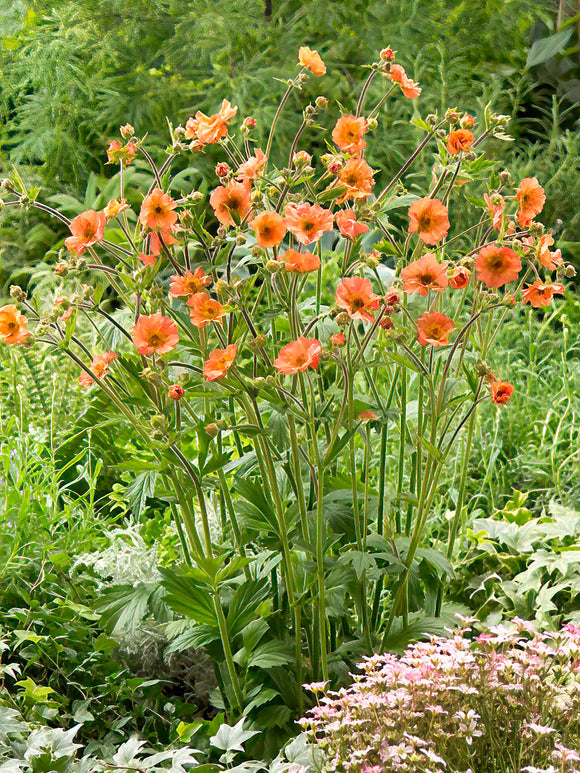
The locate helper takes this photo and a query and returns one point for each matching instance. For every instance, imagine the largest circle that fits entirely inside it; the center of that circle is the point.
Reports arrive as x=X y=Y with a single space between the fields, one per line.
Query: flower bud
x=386 y=322
x=387 y=54
x=537 y=229
x=222 y=169
x=467 y=121
x=176 y=392
x=321 y=103
x=505 y=177
x=391 y=298
x=372 y=124
x=248 y=124
x=127 y=131
x=17 y=293
x=338 y=339
x=274 y=266
x=452 y=115
x=302 y=158
x=342 y=318
x=483 y=370
x=212 y=429
x=569 y=271
x=61 y=269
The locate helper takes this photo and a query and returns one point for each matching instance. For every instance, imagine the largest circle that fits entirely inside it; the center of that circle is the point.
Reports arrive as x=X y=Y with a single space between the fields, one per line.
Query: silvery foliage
x=25 y=748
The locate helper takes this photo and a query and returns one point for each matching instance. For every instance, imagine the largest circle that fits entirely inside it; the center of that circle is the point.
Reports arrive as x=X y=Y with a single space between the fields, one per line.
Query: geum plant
x=309 y=396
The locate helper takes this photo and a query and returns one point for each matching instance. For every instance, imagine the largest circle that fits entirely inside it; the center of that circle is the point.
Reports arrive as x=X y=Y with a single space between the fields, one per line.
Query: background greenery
x=72 y=72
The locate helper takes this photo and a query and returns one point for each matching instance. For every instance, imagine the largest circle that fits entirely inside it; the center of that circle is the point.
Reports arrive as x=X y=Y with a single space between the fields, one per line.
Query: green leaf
x=271 y=654
x=546 y=48
x=188 y=597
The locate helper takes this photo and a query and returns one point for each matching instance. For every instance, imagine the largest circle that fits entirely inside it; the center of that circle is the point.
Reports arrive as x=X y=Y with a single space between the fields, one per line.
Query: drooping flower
x=496 y=206
x=434 y=328
x=425 y=274
x=355 y=295
x=547 y=258
x=87 y=229
x=459 y=141
x=157 y=211
x=115 y=207
x=251 y=168
x=348 y=133
x=231 y=203
x=204 y=310
x=428 y=217
x=189 y=284
x=300 y=262
x=409 y=87
x=270 y=228
x=99 y=368
x=531 y=199
x=459 y=278
x=175 y=391
x=348 y=225
x=117 y=152
x=501 y=391
x=148 y=260
x=539 y=294
x=357 y=175
x=155 y=334
x=157 y=237
x=298 y=356
x=495 y=266
x=368 y=416
x=311 y=59
x=219 y=362
x=13 y=325
x=210 y=129
x=307 y=221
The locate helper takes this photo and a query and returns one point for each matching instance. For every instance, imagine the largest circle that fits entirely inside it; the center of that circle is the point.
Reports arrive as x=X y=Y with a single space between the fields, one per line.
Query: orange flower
x=232 y=203
x=251 y=168
x=496 y=266
x=220 y=361
x=460 y=278
x=539 y=294
x=547 y=258
x=311 y=60
x=210 y=129
x=495 y=209
x=115 y=208
x=205 y=310
x=501 y=391
x=425 y=274
x=157 y=211
x=428 y=217
x=308 y=221
x=357 y=175
x=117 y=152
x=298 y=356
x=348 y=225
x=13 y=325
x=269 y=227
x=531 y=199
x=189 y=283
x=175 y=391
x=155 y=241
x=300 y=262
x=368 y=416
x=99 y=368
x=348 y=133
x=155 y=334
x=338 y=339
x=87 y=229
x=397 y=74
x=459 y=141
x=355 y=295
x=433 y=328
x=148 y=260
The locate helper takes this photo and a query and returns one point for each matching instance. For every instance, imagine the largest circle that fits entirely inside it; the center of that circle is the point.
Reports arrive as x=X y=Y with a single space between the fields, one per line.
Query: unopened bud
x=127 y=131
x=505 y=177
x=248 y=124
x=338 y=339
x=17 y=293
x=569 y=271
x=342 y=318
x=176 y=392
x=467 y=121
x=212 y=429
x=321 y=103
x=387 y=54
x=61 y=269
x=372 y=124
x=222 y=169
x=302 y=158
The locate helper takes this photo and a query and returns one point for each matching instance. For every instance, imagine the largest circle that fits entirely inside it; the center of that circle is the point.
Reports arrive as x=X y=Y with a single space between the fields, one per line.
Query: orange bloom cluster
x=219 y=362
x=210 y=129
x=434 y=328
x=117 y=152
x=459 y=141
x=251 y=168
x=348 y=134
x=300 y=262
x=155 y=334
x=495 y=266
x=298 y=356
x=355 y=295
x=357 y=175
x=539 y=294
x=307 y=222
x=87 y=229
x=204 y=310
x=425 y=274
x=531 y=199
x=231 y=203
x=310 y=59
x=409 y=87
x=99 y=368
x=270 y=228
x=189 y=284
x=348 y=225
x=428 y=217
x=13 y=325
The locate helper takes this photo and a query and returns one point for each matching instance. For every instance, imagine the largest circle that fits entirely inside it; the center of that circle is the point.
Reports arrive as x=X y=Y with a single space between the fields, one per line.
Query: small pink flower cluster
x=508 y=700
